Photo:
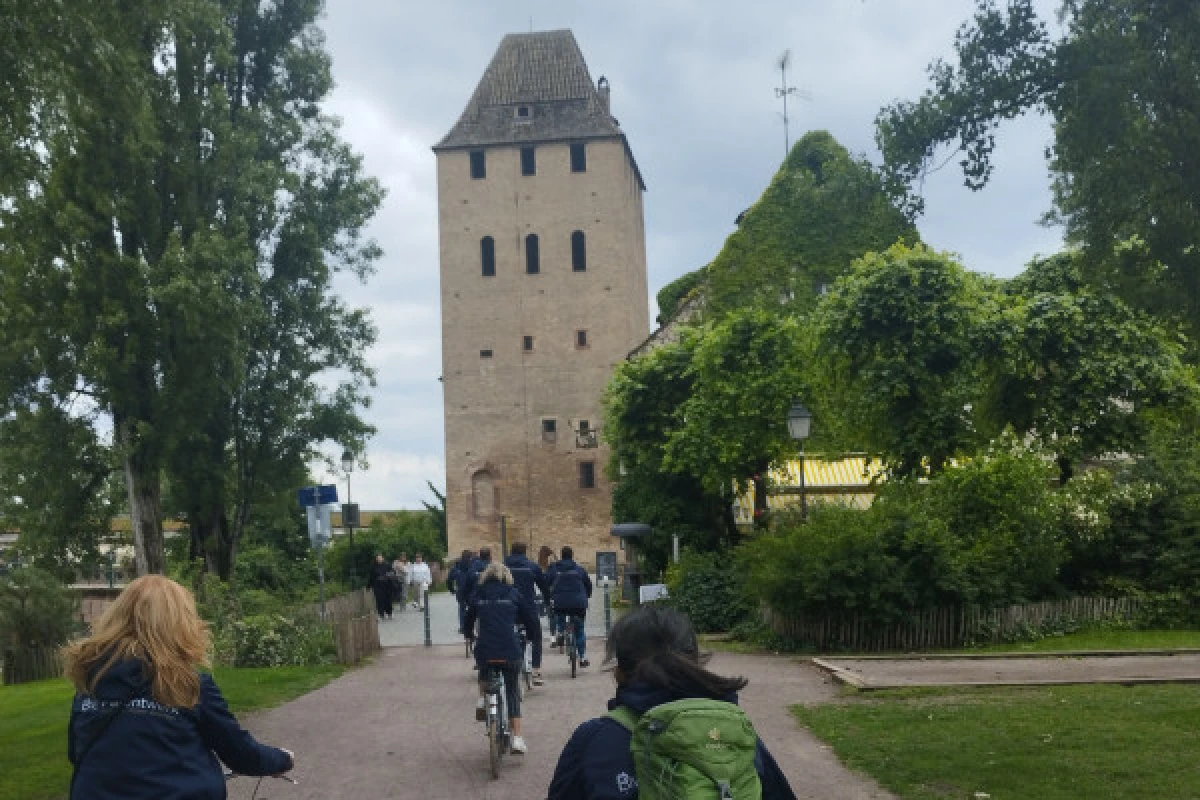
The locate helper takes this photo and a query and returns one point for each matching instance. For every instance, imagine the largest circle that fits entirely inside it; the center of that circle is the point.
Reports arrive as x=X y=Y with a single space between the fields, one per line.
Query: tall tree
x=1122 y=84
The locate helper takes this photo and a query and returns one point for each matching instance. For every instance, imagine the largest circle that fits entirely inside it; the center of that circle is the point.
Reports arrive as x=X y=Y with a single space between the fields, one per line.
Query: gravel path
x=404 y=727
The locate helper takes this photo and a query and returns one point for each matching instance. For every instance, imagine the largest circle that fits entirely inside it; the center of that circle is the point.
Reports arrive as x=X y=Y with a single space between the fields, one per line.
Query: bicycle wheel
x=467 y=642
x=527 y=668
x=572 y=653
x=494 y=747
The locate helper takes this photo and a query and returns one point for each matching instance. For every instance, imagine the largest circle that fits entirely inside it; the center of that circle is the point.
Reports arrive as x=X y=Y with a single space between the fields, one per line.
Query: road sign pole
x=321 y=576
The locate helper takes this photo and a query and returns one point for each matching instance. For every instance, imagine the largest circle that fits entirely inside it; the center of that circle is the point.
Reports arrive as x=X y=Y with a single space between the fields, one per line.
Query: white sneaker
x=517 y=746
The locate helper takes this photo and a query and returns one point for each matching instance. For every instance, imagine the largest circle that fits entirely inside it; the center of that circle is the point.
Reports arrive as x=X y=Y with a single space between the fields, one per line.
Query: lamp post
x=348 y=467
x=799 y=420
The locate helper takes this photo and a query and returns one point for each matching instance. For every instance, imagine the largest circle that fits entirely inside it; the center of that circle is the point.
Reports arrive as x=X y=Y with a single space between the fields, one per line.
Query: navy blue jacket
x=498 y=607
x=570 y=585
x=527 y=576
x=471 y=578
x=457 y=575
x=154 y=751
x=596 y=763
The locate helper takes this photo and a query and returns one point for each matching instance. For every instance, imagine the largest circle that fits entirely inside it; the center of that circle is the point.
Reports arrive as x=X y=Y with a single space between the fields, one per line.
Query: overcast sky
x=693 y=87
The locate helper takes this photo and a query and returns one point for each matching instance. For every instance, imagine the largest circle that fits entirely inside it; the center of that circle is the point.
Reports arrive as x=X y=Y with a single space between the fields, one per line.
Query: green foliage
x=278 y=641
x=705 y=586
x=36 y=610
x=672 y=296
x=823 y=209
x=437 y=515
x=1122 y=86
x=893 y=361
x=409 y=532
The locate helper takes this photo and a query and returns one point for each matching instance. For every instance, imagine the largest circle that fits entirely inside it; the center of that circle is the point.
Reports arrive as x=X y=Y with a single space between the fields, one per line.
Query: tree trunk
x=145 y=515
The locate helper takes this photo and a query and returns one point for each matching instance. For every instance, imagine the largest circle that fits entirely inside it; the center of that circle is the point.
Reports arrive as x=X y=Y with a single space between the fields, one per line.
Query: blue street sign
x=317 y=495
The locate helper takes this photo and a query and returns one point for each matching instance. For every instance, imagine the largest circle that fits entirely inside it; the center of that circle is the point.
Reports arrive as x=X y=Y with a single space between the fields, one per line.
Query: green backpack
x=693 y=750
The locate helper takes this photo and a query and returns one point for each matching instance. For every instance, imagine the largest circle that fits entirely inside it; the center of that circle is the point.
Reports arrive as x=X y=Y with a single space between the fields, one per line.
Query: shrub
x=706 y=588
x=275 y=640
x=36 y=610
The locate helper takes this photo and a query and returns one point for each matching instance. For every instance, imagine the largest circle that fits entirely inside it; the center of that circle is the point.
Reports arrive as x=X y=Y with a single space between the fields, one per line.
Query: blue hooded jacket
x=157 y=752
x=596 y=763
x=498 y=607
x=466 y=584
x=527 y=576
x=570 y=585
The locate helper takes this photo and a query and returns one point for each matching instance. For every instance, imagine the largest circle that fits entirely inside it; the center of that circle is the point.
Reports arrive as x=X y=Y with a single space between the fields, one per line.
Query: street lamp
x=799 y=420
x=347 y=514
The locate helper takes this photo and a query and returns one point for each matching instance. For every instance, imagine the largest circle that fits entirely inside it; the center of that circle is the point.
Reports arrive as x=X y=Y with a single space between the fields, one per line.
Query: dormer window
x=524 y=112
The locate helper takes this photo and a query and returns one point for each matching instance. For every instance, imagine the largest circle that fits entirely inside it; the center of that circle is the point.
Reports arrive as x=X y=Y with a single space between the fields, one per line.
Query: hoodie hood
x=640 y=697
x=123 y=680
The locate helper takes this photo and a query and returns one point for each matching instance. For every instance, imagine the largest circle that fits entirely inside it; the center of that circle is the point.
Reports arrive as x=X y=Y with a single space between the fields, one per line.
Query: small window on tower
x=578 y=252
x=578 y=157
x=549 y=431
x=527 y=344
x=533 y=264
x=581 y=340
x=487 y=256
x=524 y=112
x=478 y=165
x=587 y=474
x=528 y=161
x=485 y=353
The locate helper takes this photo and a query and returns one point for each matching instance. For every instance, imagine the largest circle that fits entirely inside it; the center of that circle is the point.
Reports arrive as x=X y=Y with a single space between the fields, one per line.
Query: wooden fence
x=945 y=628
x=32 y=664
x=355 y=625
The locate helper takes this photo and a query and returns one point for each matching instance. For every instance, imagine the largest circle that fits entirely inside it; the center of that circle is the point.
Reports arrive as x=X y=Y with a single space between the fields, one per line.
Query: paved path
x=404 y=727
x=407 y=627
x=903 y=672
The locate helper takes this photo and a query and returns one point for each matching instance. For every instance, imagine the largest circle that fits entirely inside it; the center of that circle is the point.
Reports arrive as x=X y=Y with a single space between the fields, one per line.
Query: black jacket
x=596 y=763
x=380 y=573
x=499 y=607
x=570 y=585
x=458 y=575
x=466 y=585
x=157 y=752
x=527 y=576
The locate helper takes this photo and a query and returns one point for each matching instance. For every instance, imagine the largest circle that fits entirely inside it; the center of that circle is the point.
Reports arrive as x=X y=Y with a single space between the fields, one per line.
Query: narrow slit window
x=527 y=344
x=485 y=353
x=487 y=256
x=581 y=339
x=533 y=264
x=578 y=157
x=587 y=474
x=578 y=252
x=478 y=165
x=528 y=161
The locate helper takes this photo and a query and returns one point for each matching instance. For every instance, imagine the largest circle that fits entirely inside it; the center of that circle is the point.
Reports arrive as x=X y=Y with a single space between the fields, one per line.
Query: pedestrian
x=665 y=698
x=570 y=590
x=419 y=579
x=545 y=559
x=145 y=723
x=381 y=584
x=530 y=581
x=456 y=582
x=401 y=566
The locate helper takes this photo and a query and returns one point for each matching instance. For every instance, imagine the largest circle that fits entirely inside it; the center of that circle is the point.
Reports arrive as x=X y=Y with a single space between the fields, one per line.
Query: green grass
x=33 y=722
x=1101 y=640
x=1137 y=743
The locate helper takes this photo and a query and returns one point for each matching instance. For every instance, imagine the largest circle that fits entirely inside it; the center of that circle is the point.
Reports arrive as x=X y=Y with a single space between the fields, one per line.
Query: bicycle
x=569 y=645
x=526 y=683
x=497 y=729
x=230 y=775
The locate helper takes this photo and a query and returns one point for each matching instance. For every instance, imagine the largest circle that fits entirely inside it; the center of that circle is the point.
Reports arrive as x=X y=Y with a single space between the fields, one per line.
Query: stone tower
x=543 y=281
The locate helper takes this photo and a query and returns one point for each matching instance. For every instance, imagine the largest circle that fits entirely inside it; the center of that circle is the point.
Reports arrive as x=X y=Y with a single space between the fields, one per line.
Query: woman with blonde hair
x=499 y=606
x=145 y=723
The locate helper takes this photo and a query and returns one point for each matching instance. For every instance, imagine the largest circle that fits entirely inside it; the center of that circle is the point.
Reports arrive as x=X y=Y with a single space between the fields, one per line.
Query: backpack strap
x=625 y=716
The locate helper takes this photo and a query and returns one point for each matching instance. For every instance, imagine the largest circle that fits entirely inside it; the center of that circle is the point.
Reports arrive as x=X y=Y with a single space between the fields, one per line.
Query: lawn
x=33 y=722
x=1138 y=743
x=1101 y=640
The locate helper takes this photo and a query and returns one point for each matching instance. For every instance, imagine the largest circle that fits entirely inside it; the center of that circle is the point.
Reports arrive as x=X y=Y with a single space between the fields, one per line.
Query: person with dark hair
x=545 y=558
x=456 y=581
x=529 y=580
x=659 y=673
x=499 y=607
x=570 y=590
x=381 y=579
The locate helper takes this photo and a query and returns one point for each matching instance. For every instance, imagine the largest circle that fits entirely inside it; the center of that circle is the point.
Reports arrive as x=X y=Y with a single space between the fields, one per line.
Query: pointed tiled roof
x=546 y=71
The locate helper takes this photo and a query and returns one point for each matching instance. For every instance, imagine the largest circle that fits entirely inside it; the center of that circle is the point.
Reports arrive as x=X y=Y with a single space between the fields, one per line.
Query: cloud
x=693 y=86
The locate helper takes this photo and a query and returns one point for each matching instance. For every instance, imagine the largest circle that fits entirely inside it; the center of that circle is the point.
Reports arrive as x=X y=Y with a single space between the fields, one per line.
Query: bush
x=411 y=532
x=36 y=610
x=706 y=588
x=274 y=640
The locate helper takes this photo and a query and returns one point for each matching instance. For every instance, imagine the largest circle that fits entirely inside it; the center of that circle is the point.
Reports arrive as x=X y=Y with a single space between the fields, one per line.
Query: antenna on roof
x=784 y=91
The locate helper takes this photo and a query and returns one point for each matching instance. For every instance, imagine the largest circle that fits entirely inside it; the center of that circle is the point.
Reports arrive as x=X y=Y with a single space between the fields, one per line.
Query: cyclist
x=499 y=607
x=456 y=582
x=570 y=589
x=658 y=661
x=528 y=578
